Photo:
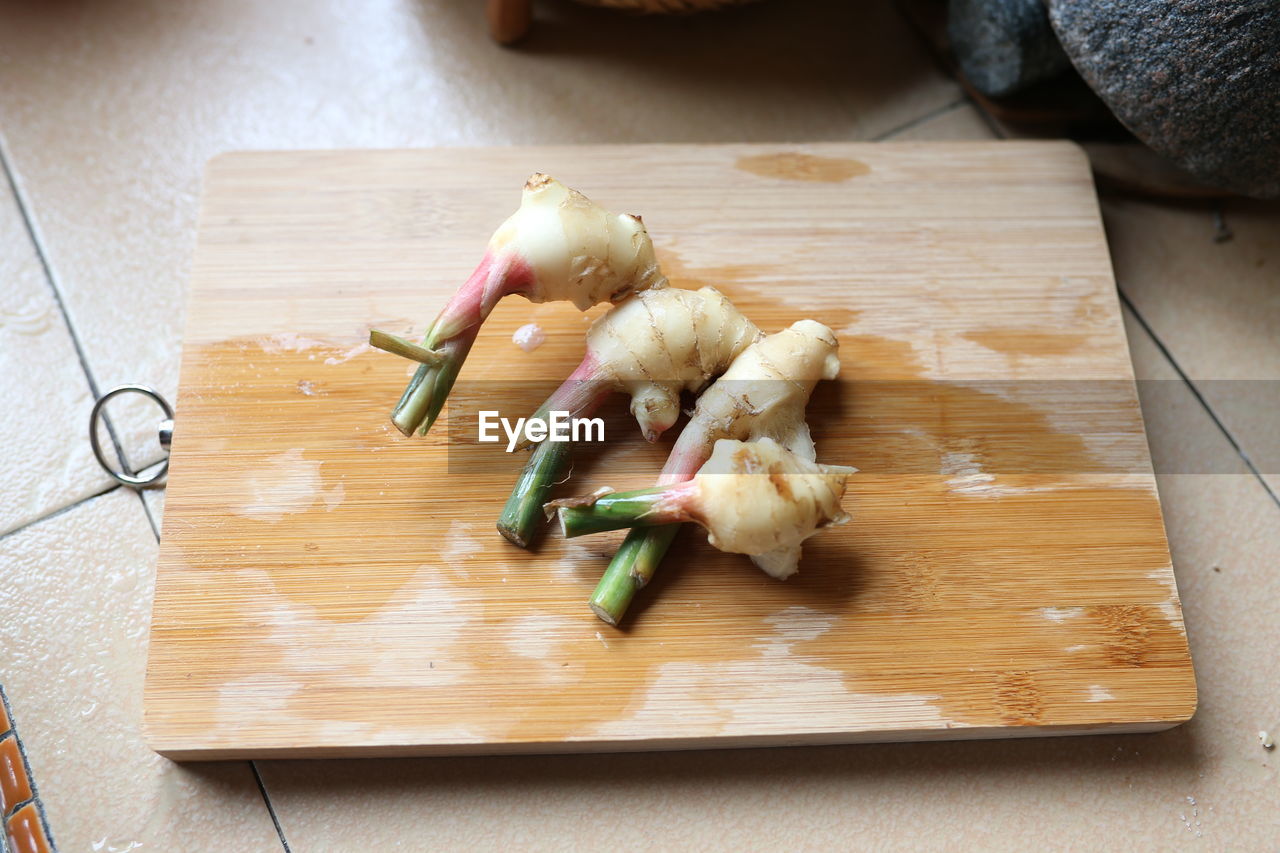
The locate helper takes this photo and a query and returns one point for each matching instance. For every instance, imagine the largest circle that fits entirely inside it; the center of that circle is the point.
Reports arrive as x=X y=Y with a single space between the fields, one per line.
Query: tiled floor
x=76 y=608
x=107 y=113
x=47 y=396
x=1215 y=304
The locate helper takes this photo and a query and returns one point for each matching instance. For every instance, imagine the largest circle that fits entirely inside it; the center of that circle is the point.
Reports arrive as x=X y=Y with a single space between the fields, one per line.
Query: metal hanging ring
x=165 y=433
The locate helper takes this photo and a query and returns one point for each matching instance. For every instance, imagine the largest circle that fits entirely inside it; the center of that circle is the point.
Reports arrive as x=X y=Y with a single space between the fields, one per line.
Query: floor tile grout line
x=7 y=708
x=146 y=510
x=1195 y=392
x=1000 y=133
x=262 y=788
x=28 y=221
x=948 y=70
x=59 y=511
x=266 y=798
x=253 y=766
x=37 y=245
x=987 y=119
x=995 y=127
x=937 y=112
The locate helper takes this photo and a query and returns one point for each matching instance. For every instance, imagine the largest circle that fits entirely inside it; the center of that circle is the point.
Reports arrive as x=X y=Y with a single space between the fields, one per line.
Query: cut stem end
x=511 y=535
x=399 y=346
x=450 y=339
x=630 y=570
x=523 y=516
x=604 y=614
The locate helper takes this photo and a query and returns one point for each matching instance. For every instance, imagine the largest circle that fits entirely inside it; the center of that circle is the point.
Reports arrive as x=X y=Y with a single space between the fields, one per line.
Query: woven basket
x=664 y=7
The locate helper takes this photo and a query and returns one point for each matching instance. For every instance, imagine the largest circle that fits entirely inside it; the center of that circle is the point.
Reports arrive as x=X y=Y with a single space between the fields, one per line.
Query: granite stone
x=1004 y=46
x=1197 y=80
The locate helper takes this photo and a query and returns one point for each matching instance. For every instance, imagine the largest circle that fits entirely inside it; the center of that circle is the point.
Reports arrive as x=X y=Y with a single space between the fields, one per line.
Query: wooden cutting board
x=327 y=587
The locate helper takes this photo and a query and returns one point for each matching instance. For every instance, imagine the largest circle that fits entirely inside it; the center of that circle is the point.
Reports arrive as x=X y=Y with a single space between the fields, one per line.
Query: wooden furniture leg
x=509 y=20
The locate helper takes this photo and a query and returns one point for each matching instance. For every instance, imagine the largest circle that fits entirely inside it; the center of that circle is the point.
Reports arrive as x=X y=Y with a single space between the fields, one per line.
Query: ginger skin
x=763 y=394
x=576 y=251
x=755 y=498
x=559 y=245
x=654 y=346
x=760 y=499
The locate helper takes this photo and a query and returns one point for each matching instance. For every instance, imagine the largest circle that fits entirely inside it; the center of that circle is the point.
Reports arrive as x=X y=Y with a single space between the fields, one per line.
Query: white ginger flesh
x=577 y=251
x=764 y=392
x=759 y=498
x=662 y=342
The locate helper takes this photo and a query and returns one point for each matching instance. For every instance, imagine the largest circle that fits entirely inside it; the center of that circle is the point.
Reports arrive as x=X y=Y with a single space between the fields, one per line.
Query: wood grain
x=327 y=587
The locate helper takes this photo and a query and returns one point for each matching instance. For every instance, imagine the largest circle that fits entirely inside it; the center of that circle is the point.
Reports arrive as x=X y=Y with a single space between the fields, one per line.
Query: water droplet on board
x=529 y=337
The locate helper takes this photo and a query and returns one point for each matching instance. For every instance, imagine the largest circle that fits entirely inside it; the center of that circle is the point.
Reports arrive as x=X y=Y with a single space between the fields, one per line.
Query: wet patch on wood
x=797 y=166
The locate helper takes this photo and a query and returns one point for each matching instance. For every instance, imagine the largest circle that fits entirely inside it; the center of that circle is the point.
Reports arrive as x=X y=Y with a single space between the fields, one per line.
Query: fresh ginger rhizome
x=761 y=493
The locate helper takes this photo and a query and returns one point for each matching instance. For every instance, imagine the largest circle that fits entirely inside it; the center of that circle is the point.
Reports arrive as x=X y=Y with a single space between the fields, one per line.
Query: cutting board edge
x=172 y=748
x=222 y=158
x=570 y=747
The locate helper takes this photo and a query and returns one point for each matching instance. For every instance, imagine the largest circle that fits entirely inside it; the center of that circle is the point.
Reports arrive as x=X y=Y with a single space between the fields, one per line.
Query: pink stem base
x=453 y=333
x=496 y=276
x=691 y=451
x=584 y=389
x=581 y=394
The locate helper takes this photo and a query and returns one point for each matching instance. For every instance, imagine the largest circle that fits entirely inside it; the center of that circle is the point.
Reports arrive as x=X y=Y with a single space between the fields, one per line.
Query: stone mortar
x=1197 y=80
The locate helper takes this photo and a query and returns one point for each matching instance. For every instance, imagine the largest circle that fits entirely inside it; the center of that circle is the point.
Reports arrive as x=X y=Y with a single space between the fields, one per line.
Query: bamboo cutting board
x=327 y=587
